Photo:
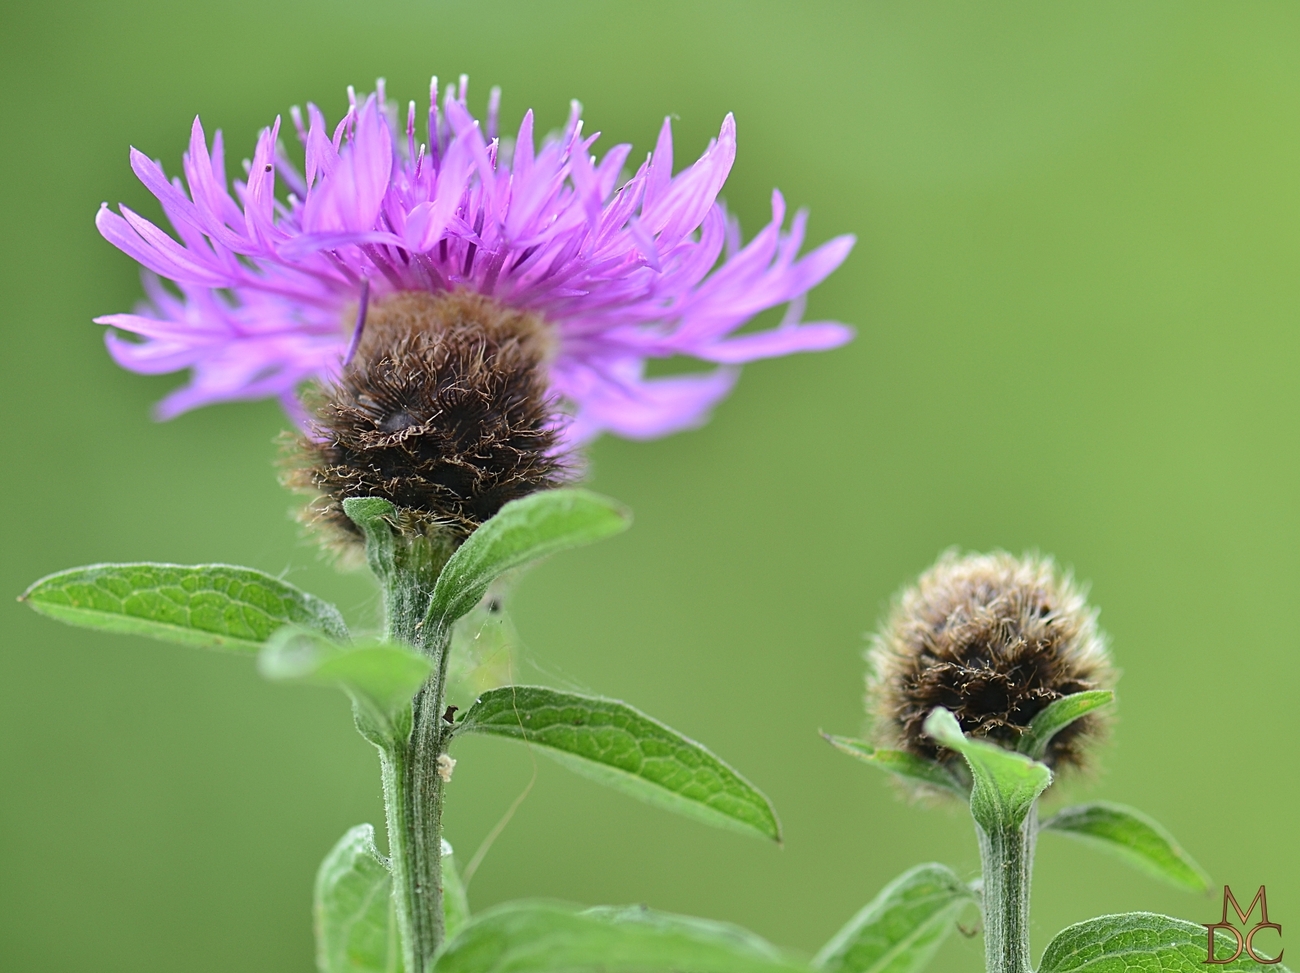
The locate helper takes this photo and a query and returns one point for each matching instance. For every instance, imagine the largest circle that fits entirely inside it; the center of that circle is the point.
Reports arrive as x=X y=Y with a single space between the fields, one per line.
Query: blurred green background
x=1077 y=297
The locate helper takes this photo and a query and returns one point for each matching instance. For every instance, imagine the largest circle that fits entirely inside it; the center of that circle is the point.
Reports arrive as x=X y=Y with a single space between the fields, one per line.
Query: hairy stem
x=1007 y=854
x=413 y=789
x=394 y=765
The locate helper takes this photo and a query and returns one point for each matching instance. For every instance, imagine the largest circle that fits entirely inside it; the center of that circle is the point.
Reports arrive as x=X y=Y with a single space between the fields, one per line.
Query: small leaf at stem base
x=455 y=903
x=900 y=930
x=1006 y=783
x=356 y=926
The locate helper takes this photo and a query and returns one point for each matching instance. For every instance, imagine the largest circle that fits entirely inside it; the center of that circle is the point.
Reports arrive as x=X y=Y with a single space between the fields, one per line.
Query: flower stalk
x=413 y=797
x=998 y=659
x=407 y=564
x=1007 y=857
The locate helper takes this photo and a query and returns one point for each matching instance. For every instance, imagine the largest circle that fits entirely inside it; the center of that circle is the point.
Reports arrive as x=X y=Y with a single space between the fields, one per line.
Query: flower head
x=995 y=639
x=442 y=410
x=272 y=291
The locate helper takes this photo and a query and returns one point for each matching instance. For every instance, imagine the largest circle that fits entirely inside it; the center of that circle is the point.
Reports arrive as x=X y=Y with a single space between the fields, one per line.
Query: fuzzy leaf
x=485 y=649
x=1006 y=783
x=211 y=605
x=900 y=763
x=542 y=937
x=522 y=531
x=1140 y=941
x=374 y=516
x=900 y=930
x=380 y=677
x=733 y=937
x=356 y=925
x=1057 y=716
x=1135 y=838
x=455 y=903
x=620 y=746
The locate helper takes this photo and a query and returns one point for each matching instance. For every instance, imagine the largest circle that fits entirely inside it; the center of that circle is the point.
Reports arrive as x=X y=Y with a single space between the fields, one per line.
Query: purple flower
x=269 y=290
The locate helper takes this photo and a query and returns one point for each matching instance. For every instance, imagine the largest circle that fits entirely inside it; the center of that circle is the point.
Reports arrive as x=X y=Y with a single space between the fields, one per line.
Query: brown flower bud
x=443 y=410
x=994 y=639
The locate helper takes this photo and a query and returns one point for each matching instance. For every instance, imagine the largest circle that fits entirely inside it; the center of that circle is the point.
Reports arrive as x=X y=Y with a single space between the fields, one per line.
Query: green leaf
x=900 y=763
x=1057 y=716
x=455 y=903
x=380 y=677
x=537 y=937
x=1135 y=838
x=212 y=605
x=374 y=515
x=355 y=919
x=1141 y=941
x=522 y=531
x=356 y=924
x=485 y=649
x=617 y=745
x=900 y=930
x=406 y=561
x=731 y=936
x=1006 y=783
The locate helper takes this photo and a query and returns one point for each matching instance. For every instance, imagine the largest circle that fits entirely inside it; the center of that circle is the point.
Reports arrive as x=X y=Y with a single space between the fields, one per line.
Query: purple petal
x=639 y=408
x=149 y=246
x=692 y=194
x=659 y=173
x=623 y=274
x=820 y=336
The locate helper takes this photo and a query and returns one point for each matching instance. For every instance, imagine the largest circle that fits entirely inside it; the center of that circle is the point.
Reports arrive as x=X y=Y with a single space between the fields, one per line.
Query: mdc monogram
x=1243 y=942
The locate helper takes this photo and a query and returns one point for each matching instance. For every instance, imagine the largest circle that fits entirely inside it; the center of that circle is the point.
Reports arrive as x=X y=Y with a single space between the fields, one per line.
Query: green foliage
x=1006 y=783
x=900 y=930
x=211 y=605
x=380 y=677
x=455 y=902
x=406 y=562
x=906 y=765
x=535 y=937
x=356 y=924
x=1139 y=941
x=1135 y=838
x=524 y=530
x=731 y=936
x=375 y=515
x=484 y=649
x=1057 y=716
x=620 y=746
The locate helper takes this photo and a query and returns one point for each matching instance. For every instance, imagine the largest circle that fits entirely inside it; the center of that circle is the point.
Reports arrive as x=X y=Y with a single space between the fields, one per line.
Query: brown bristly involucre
x=443 y=411
x=994 y=639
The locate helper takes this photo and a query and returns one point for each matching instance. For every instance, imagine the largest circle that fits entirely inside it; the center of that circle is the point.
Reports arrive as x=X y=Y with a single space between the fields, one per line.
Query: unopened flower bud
x=995 y=639
x=443 y=410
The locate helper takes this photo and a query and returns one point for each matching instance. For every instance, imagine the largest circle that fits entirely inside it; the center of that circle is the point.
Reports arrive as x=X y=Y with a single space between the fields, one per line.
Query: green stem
x=1007 y=854
x=413 y=790
x=393 y=765
x=413 y=796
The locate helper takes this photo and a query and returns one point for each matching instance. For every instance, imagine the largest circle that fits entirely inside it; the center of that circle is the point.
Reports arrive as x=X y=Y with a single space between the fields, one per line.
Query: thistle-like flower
x=995 y=639
x=468 y=307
